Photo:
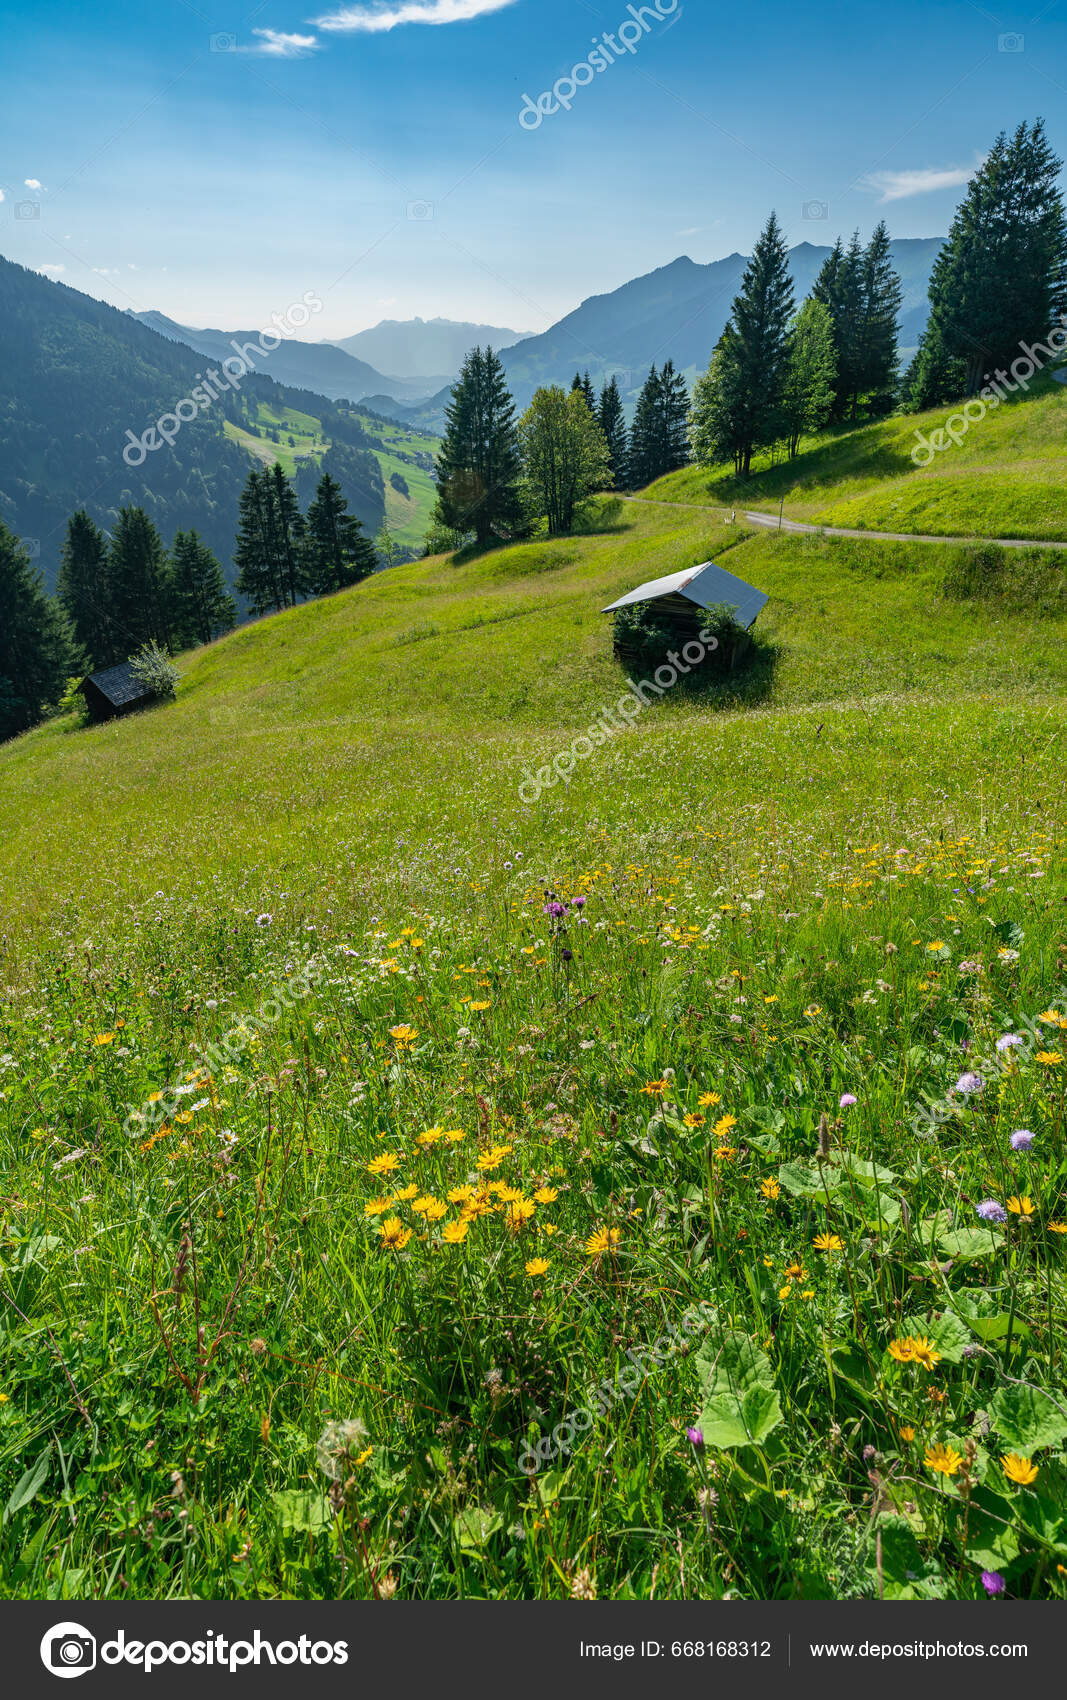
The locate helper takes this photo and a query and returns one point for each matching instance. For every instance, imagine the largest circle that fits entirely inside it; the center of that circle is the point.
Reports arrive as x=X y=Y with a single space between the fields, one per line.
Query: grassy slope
x=349 y=770
x=1007 y=478
x=408 y=516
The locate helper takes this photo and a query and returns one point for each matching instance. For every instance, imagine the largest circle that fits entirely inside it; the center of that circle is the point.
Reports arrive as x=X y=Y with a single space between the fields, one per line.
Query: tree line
x=117 y=593
x=498 y=476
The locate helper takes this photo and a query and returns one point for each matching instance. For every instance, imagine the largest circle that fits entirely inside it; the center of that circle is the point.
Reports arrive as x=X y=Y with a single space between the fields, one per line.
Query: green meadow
x=415 y=1190
x=1004 y=478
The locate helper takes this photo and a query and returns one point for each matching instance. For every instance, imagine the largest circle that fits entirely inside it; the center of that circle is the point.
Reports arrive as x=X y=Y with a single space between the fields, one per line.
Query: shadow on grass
x=745 y=684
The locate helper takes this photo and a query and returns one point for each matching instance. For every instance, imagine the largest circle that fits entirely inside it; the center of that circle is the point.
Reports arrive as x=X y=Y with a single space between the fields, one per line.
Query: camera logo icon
x=816 y=209
x=27 y=209
x=224 y=42
x=1011 y=43
x=68 y=1649
x=420 y=210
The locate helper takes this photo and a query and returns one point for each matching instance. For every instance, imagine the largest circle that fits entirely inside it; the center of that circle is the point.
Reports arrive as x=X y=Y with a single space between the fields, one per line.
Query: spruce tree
x=644 y=449
x=882 y=295
x=839 y=286
x=584 y=386
x=612 y=421
x=203 y=608
x=84 y=591
x=288 y=524
x=139 y=579
x=336 y=552
x=37 y=647
x=1000 y=281
x=478 y=467
x=255 y=556
x=746 y=384
x=660 y=439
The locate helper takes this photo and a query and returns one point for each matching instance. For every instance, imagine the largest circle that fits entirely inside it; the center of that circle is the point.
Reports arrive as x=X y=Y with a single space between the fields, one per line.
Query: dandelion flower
x=1023 y=1206
x=828 y=1242
x=537 y=1266
x=653 y=1088
x=903 y=1350
x=104 y=1039
x=377 y=1206
x=1020 y=1470
x=1057 y=1227
x=406 y=1194
x=694 y=1121
x=723 y=1126
x=1051 y=1059
x=770 y=1188
x=707 y=1099
x=944 y=1459
x=907 y=1434
x=546 y=1194
x=403 y=1034
x=455 y=1233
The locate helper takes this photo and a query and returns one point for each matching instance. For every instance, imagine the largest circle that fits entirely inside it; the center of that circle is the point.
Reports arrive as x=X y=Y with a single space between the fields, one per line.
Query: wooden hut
x=681 y=599
x=115 y=691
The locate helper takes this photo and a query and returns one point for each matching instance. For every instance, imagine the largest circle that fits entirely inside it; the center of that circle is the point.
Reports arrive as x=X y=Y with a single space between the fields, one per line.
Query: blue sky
x=218 y=161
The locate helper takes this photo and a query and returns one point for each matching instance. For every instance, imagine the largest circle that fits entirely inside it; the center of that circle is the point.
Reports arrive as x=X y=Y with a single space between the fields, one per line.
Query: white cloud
x=51 y=270
x=282 y=46
x=1 y=194
x=379 y=15
x=33 y=183
x=899 y=185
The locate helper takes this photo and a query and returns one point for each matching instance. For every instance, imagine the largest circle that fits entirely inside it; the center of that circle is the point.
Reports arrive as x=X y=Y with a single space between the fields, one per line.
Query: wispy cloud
x=51 y=270
x=899 y=185
x=279 y=45
x=379 y=15
x=33 y=183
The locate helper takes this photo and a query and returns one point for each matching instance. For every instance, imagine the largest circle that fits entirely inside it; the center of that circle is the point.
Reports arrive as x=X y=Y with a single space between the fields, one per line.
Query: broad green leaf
x=965 y=1244
x=948 y=1333
x=1026 y=1419
x=476 y=1525
x=805 y=1181
x=301 y=1512
x=864 y=1171
x=741 y=1405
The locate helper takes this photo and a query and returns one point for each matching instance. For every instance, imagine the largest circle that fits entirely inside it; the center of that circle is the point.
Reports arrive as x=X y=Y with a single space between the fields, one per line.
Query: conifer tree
x=659 y=441
x=999 y=284
x=882 y=294
x=612 y=421
x=336 y=551
x=738 y=404
x=139 y=581
x=258 y=580
x=583 y=385
x=37 y=647
x=839 y=286
x=478 y=467
x=84 y=591
x=203 y=608
x=644 y=458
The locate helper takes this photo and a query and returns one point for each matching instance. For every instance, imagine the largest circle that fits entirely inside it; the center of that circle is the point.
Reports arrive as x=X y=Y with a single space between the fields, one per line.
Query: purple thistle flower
x=555 y=910
x=1009 y=1042
x=990 y=1211
x=1021 y=1139
x=847 y=1099
x=567 y=955
x=695 y=1436
x=993 y=1583
x=578 y=902
x=968 y=1083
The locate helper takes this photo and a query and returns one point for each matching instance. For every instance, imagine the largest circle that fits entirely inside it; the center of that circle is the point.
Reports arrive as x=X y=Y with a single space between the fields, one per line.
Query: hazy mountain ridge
x=410 y=348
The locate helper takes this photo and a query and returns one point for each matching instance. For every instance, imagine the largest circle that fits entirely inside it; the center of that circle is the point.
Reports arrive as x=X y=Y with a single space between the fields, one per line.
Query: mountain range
x=676 y=312
x=408 y=348
x=324 y=367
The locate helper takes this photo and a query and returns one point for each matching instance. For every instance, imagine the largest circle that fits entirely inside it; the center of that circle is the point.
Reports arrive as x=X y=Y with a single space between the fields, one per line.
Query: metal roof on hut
x=114 y=691
x=707 y=586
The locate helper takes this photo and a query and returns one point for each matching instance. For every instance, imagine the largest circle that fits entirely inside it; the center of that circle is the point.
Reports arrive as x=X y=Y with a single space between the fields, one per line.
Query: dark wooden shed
x=115 y=691
x=681 y=599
